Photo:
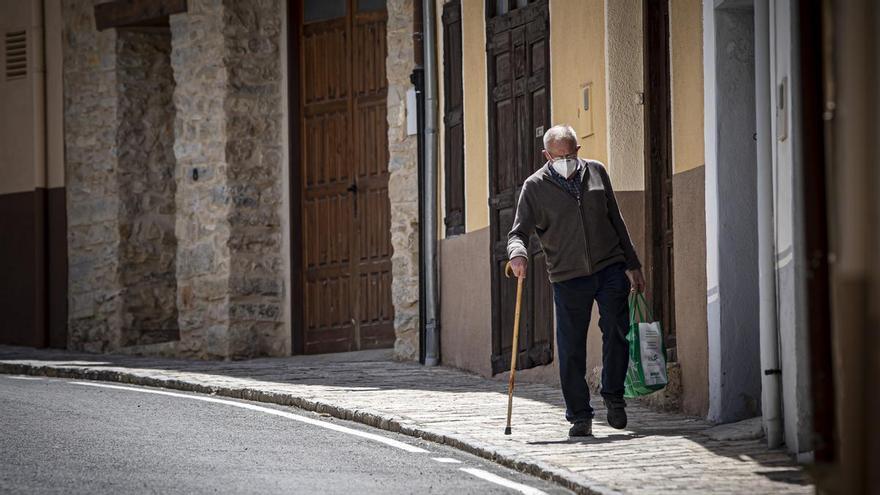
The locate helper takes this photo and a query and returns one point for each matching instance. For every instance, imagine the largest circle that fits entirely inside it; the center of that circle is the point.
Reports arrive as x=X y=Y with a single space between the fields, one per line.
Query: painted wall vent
x=16 y=55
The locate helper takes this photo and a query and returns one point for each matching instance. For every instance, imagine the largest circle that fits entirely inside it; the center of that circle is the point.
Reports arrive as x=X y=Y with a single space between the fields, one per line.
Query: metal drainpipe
x=418 y=80
x=769 y=336
x=429 y=191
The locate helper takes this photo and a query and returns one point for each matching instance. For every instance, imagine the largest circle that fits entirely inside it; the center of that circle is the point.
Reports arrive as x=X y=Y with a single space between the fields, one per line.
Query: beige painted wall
x=31 y=146
x=686 y=56
x=22 y=133
x=476 y=125
x=577 y=54
x=624 y=86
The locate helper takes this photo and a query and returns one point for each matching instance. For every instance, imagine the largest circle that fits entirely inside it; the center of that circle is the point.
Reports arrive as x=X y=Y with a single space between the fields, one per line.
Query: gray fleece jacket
x=578 y=239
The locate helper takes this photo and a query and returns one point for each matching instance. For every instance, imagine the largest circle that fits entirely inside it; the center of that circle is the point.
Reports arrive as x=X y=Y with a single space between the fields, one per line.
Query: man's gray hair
x=560 y=132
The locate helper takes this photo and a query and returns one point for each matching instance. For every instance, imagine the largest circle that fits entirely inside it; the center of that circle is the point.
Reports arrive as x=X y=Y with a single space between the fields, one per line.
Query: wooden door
x=658 y=124
x=517 y=38
x=345 y=212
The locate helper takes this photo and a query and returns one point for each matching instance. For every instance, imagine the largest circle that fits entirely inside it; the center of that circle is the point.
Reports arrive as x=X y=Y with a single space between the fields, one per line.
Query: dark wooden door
x=658 y=173
x=519 y=111
x=453 y=119
x=345 y=223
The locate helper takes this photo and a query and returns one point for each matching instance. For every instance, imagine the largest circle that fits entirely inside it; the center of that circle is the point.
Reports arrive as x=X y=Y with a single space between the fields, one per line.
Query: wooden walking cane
x=519 y=284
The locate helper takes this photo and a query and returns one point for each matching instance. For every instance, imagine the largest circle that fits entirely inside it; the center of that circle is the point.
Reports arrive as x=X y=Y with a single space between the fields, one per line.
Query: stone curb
x=566 y=479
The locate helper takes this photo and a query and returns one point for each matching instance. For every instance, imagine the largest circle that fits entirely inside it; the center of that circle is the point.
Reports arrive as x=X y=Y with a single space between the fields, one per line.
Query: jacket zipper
x=581 y=213
x=586 y=239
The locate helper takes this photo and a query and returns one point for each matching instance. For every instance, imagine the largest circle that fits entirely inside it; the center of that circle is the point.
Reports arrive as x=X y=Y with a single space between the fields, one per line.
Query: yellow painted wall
x=476 y=124
x=577 y=55
x=686 y=56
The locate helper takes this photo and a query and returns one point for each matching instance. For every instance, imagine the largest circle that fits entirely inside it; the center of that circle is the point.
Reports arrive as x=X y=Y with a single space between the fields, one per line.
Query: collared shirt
x=572 y=184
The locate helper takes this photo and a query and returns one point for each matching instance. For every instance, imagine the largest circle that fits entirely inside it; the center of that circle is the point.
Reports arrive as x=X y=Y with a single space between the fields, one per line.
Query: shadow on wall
x=146 y=174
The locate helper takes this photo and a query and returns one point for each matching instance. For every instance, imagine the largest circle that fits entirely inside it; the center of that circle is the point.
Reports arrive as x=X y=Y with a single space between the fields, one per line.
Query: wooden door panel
x=325 y=161
x=370 y=141
x=325 y=73
x=658 y=167
x=518 y=114
x=375 y=314
x=345 y=211
x=541 y=350
x=368 y=58
x=505 y=177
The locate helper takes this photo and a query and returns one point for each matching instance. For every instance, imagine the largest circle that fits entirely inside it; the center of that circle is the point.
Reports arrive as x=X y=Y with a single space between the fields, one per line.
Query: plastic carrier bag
x=646 y=372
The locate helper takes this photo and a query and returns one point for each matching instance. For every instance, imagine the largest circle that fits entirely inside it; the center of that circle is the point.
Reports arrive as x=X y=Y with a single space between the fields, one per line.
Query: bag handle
x=636 y=302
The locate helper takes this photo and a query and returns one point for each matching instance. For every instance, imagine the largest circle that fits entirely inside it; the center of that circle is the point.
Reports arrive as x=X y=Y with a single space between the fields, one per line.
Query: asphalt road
x=68 y=436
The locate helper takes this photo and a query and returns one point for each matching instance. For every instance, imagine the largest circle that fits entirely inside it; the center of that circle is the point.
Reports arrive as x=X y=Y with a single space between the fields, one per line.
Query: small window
x=371 y=5
x=502 y=7
x=16 y=55
x=322 y=10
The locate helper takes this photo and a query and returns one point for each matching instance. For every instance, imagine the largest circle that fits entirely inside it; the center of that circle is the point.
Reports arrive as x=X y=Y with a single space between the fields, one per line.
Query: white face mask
x=565 y=166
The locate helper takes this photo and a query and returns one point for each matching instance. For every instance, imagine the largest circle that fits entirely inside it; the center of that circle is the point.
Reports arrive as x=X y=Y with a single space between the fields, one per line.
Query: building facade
x=215 y=157
x=221 y=179
x=594 y=60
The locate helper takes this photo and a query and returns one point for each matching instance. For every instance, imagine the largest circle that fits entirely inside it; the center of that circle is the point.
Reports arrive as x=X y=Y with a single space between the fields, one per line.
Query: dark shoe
x=616 y=408
x=581 y=429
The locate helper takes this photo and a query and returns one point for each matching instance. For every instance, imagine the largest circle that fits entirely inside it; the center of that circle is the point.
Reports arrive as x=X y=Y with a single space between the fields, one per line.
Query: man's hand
x=636 y=280
x=518 y=265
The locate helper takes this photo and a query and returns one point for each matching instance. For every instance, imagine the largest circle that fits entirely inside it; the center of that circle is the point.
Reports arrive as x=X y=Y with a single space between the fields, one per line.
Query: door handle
x=353 y=188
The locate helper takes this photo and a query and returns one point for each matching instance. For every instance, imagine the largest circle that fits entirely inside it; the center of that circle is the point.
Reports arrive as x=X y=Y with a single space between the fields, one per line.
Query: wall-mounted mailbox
x=782 y=110
x=585 y=111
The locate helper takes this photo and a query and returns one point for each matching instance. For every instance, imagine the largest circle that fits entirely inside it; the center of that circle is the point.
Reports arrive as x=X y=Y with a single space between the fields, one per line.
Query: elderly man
x=570 y=204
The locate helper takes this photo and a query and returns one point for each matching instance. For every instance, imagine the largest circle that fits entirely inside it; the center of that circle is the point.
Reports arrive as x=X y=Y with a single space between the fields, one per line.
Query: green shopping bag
x=646 y=372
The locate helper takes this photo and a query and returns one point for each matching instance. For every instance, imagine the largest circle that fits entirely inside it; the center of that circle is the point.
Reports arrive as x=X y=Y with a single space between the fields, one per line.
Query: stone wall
x=90 y=108
x=403 y=188
x=203 y=264
x=227 y=65
x=254 y=113
x=174 y=168
x=194 y=139
x=145 y=174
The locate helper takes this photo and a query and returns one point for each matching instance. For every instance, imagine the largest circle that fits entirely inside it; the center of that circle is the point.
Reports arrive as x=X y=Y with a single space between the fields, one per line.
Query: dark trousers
x=574 y=298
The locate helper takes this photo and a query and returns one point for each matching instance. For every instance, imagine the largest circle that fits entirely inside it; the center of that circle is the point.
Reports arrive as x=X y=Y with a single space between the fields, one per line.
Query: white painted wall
x=790 y=256
x=788 y=229
x=710 y=130
x=734 y=365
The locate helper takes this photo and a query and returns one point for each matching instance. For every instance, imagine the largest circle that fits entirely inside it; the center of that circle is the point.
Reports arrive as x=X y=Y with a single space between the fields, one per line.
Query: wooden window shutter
x=453 y=118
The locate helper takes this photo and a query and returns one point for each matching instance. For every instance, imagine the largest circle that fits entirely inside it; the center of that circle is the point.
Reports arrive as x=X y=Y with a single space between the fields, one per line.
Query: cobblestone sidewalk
x=658 y=453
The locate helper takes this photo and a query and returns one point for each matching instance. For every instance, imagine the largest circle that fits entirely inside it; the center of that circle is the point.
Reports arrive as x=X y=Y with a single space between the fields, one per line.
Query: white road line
x=446 y=460
x=498 y=480
x=23 y=377
x=268 y=410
